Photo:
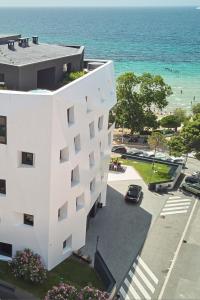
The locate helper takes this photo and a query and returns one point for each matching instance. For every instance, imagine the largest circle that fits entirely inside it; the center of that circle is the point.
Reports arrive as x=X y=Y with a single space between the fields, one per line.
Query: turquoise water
x=159 y=40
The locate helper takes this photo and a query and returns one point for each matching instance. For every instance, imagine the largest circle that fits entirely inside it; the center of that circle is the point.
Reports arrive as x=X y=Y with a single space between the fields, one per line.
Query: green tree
x=150 y=120
x=176 y=146
x=170 y=121
x=180 y=114
x=196 y=109
x=188 y=140
x=156 y=142
x=191 y=134
x=135 y=97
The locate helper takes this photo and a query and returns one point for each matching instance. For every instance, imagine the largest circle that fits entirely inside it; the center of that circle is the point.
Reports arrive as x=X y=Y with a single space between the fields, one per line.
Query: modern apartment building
x=55 y=143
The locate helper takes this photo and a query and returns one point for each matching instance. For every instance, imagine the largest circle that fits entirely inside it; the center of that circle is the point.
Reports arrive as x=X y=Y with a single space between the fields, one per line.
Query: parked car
x=134 y=193
x=192 y=179
x=193 y=188
x=135 y=152
x=132 y=140
x=119 y=149
x=196 y=174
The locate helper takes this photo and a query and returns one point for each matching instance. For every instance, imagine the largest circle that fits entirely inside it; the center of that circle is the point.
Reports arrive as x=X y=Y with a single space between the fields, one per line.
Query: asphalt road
x=184 y=282
x=147 y=275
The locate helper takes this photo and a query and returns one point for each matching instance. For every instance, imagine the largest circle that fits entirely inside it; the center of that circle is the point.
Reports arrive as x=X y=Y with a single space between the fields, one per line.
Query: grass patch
x=161 y=171
x=71 y=271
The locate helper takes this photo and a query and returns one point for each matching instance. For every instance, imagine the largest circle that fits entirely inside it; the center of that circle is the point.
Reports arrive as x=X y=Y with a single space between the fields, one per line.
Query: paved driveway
x=122 y=228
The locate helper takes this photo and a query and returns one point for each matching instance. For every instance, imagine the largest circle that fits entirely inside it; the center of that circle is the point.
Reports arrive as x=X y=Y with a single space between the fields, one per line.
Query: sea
x=163 y=41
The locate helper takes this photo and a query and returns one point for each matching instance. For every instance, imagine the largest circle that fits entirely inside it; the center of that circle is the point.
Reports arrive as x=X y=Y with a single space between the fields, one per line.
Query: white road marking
x=177 y=204
x=139 y=285
x=177 y=201
x=123 y=293
x=144 y=278
x=150 y=273
x=177 y=252
x=174 y=197
x=175 y=208
x=131 y=289
x=173 y=212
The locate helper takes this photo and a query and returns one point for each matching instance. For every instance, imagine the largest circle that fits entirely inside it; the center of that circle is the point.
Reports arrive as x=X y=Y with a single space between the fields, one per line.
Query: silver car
x=193 y=188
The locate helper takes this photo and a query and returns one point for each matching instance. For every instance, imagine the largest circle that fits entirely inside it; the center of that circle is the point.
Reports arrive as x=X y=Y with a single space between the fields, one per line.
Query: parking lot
x=122 y=227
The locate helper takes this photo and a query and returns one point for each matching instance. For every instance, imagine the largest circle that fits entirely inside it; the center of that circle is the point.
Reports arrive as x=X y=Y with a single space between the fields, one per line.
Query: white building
x=54 y=153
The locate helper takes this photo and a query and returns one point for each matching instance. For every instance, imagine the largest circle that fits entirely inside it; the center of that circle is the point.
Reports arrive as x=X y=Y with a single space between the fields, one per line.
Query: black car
x=134 y=193
x=119 y=149
x=192 y=179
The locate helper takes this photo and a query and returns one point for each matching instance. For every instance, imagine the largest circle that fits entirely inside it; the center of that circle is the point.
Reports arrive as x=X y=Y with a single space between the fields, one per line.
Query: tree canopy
x=156 y=141
x=188 y=140
x=170 y=121
x=136 y=95
x=180 y=114
x=196 y=109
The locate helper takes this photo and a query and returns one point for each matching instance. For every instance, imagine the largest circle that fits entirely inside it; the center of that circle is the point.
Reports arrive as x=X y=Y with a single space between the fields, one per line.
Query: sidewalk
x=8 y=291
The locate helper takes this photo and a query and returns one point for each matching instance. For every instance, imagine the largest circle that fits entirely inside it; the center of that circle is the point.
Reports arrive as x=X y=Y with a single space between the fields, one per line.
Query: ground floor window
x=5 y=249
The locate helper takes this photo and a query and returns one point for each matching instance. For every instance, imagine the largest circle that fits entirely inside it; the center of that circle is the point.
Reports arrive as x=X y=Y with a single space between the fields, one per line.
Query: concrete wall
x=11 y=76
x=37 y=123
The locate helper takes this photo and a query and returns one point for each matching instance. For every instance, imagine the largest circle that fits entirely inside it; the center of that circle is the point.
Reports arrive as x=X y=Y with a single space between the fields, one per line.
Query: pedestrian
x=181 y=92
x=194 y=98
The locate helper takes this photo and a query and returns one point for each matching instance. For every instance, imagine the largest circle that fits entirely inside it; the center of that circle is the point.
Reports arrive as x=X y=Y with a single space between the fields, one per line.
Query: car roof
x=134 y=186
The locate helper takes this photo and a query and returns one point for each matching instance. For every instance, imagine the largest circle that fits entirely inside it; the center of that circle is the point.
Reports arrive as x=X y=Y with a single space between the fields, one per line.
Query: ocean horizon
x=158 y=40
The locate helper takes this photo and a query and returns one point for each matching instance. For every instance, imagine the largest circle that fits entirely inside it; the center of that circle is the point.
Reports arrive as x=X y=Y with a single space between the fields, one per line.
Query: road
x=184 y=282
x=150 y=276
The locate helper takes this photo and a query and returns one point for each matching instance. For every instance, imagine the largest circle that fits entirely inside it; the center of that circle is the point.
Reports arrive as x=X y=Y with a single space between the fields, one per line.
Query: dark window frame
x=3 y=186
x=64 y=244
x=2 y=77
x=27 y=160
x=27 y=220
x=3 y=130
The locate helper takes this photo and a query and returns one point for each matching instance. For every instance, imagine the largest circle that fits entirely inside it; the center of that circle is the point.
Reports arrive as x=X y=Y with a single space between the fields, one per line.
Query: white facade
x=66 y=130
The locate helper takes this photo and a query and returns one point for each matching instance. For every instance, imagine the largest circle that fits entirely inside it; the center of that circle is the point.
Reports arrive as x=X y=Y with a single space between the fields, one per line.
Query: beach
x=162 y=41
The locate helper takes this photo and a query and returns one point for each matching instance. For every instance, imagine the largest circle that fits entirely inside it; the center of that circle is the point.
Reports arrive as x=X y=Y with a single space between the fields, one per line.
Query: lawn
x=71 y=271
x=161 y=171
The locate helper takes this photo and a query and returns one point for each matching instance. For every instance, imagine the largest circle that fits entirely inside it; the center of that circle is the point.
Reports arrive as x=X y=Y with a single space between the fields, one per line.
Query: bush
x=69 y=77
x=28 y=266
x=67 y=292
x=88 y=293
x=63 y=291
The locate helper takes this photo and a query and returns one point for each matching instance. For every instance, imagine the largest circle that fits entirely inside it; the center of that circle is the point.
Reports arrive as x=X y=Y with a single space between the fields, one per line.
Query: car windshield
x=133 y=190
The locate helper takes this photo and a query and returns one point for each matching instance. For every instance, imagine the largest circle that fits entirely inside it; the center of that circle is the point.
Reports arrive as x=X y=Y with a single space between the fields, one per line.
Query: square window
x=80 y=202
x=28 y=219
x=3 y=130
x=67 y=244
x=77 y=143
x=70 y=115
x=100 y=123
x=92 y=131
x=2 y=186
x=27 y=158
x=64 y=154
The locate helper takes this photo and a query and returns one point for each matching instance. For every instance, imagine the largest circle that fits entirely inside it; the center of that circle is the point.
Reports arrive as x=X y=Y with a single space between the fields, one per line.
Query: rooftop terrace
x=31 y=52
